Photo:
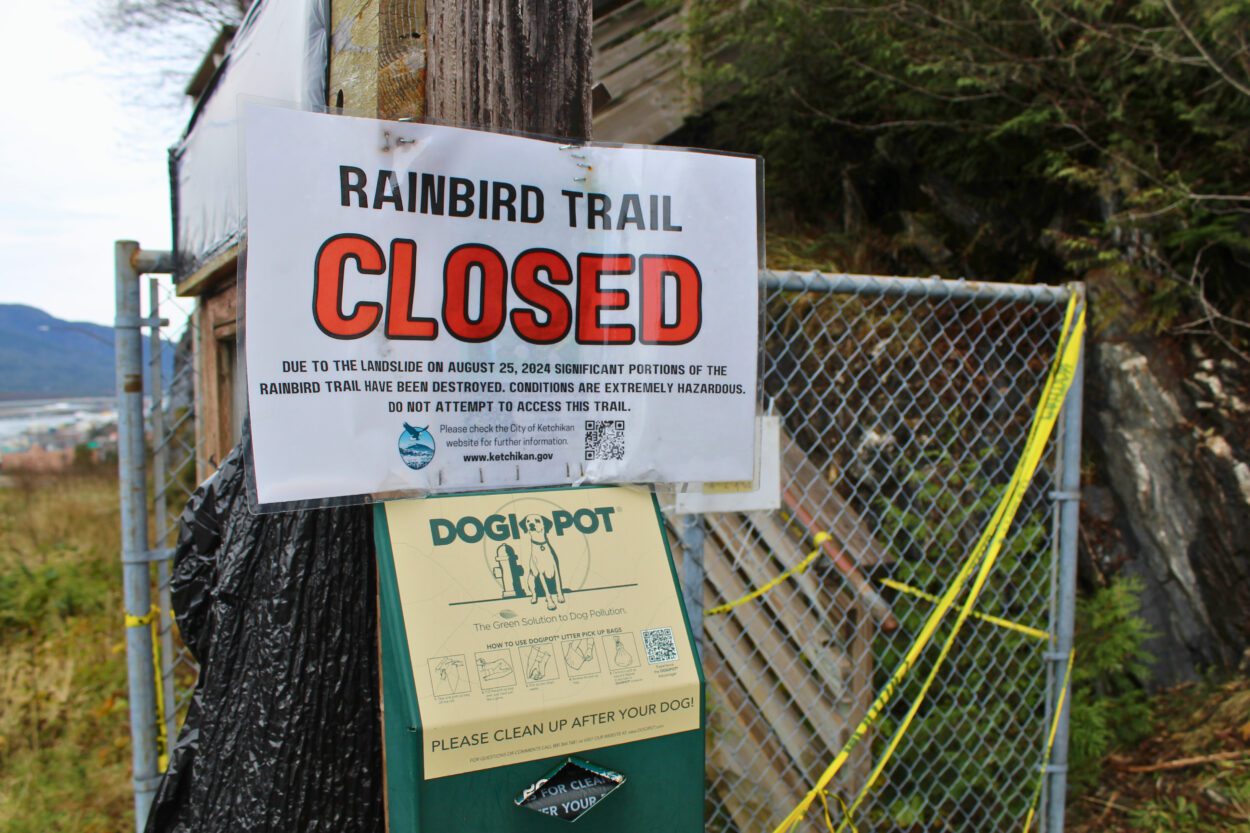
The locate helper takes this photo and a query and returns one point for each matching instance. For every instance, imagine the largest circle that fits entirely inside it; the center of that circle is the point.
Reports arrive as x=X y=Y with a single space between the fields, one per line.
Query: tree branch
x=1202 y=50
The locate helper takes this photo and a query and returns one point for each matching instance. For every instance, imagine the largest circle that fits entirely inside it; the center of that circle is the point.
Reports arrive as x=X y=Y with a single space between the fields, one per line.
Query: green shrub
x=1110 y=708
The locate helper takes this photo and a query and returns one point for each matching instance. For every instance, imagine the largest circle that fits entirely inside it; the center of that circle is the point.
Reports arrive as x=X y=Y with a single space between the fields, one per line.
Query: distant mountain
x=42 y=356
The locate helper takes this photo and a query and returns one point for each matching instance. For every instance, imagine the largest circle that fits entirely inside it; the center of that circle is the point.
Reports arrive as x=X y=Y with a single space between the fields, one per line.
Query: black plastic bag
x=283 y=733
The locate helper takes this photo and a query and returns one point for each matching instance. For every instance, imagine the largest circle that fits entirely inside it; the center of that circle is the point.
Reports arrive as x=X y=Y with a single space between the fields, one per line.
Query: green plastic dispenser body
x=662 y=777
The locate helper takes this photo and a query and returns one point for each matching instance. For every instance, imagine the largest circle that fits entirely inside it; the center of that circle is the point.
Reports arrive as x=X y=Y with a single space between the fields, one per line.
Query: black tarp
x=283 y=732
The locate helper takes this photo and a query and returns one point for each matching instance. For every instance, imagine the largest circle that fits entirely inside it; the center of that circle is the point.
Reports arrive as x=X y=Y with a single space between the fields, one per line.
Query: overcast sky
x=84 y=163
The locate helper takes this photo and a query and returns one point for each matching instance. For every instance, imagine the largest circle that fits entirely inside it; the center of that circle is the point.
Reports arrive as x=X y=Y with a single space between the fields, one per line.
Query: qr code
x=659 y=644
x=605 y=439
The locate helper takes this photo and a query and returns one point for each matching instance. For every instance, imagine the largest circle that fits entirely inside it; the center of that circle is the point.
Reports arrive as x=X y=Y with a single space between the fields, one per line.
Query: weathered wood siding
x=789 y=675
x=638 y=58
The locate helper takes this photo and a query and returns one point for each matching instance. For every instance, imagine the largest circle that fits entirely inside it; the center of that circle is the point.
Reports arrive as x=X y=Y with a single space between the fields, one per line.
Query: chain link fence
x=904 y=406
x=171 y=462
x=178 y=460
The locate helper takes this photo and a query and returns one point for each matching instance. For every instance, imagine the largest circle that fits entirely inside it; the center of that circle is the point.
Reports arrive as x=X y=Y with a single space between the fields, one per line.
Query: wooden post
x=493 y=64
x=509 y=65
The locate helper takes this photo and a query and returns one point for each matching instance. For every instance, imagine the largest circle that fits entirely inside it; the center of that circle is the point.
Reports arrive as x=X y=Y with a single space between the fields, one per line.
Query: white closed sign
x=434 y=309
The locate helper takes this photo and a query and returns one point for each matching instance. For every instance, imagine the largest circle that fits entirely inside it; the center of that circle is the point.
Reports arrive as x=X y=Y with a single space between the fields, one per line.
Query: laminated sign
x=540 y=624
x=436 y=309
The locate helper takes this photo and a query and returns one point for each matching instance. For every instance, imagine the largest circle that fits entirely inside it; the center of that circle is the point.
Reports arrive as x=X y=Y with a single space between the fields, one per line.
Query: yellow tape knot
x=819 y=540
x=140 y=621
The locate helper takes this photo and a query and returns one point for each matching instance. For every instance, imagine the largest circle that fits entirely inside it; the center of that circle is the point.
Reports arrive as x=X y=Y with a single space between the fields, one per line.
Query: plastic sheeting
x=283 y=733
x=280 y=53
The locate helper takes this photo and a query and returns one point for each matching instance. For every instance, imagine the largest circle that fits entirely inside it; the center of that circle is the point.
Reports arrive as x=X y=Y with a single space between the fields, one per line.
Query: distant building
x=38 y=459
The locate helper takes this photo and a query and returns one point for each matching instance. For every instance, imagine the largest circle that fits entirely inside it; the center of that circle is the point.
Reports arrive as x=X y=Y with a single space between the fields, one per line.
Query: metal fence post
x=1069 y=497
x=692 y=539
x=160 y=466
x=135 y=574
x=129 y=263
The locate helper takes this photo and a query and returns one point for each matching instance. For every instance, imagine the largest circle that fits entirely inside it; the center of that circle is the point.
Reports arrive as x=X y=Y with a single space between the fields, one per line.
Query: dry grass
x=1191 y=776
x=64 y=742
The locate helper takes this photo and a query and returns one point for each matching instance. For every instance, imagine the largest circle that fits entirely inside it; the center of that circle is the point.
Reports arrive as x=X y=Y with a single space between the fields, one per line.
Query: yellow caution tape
x=162 y=737
x=846 y=814
x=1050 y=740
x=1053 y=394
x=1036 y=633
x=984 y=554
x=819 y=538
x=152 y=618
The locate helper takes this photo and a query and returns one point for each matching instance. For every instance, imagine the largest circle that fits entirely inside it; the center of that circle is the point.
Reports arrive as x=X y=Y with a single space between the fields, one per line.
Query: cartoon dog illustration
x=544 y=565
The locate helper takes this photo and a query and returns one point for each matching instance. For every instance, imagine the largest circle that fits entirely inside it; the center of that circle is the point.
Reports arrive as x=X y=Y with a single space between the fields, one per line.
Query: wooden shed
x=789 y=675
x=643 y=94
